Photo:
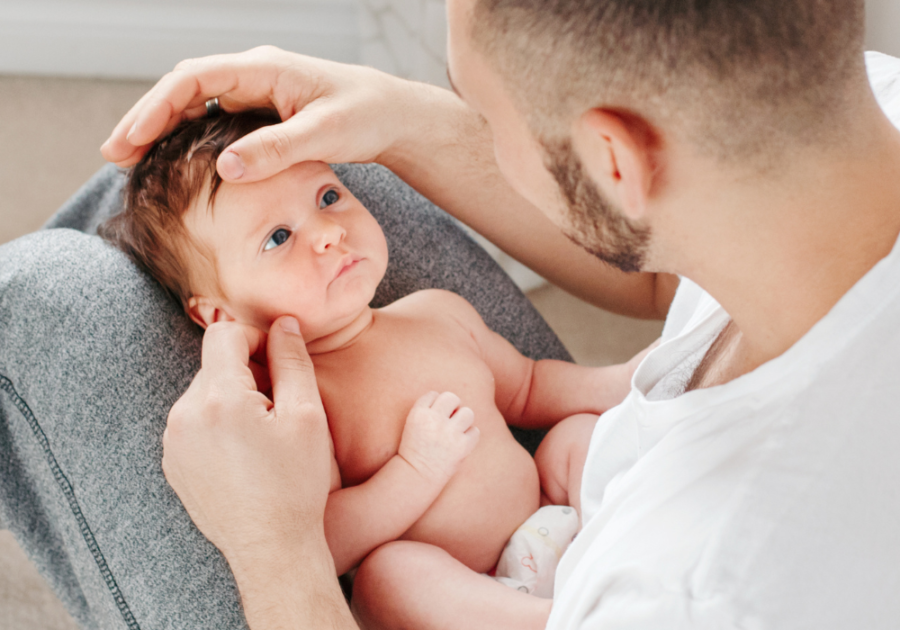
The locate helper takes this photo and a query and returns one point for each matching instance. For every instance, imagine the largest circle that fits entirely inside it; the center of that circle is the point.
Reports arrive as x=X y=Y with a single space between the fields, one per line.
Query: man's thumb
x=291 y=370
x=265 y=152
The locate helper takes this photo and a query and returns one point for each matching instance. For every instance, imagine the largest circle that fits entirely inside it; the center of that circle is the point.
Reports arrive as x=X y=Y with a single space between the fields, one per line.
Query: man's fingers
x=294 y=387
x=270 y=150
x=192 y=83
x=261 y=376
x=186 y=88
x=117 y=149
x=240 y=81
x=225 y=357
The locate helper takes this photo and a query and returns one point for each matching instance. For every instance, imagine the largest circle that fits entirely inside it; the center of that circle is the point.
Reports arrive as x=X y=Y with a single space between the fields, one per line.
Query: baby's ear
x=205 y=311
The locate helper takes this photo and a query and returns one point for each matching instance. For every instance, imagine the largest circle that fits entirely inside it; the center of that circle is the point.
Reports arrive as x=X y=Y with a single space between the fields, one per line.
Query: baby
x=409 y=463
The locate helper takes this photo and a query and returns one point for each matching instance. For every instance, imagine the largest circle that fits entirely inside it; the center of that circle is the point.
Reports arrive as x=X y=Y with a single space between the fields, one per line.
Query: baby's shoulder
x=438 y=302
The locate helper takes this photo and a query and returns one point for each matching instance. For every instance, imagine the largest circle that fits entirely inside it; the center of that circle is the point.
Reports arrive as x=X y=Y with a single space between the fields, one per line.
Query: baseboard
x=143 y=39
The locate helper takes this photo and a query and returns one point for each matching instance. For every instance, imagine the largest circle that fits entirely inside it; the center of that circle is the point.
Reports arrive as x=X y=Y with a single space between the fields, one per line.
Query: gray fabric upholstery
x=92 y=355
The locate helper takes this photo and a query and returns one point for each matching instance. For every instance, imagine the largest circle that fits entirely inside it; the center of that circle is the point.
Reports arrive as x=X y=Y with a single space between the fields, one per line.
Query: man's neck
x=779 y=255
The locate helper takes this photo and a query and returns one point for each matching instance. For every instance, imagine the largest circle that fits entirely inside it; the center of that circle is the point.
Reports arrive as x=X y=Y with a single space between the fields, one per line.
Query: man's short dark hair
x=740 y=77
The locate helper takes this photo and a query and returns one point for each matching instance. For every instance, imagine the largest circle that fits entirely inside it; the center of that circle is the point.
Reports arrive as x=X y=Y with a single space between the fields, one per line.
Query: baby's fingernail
x=104 y=145
x=291 y=325
x=231 y=166
x=131 y=131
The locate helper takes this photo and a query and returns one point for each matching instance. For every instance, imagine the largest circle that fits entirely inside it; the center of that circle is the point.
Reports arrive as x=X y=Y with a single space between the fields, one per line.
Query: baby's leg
x=413 y=585
x=560 y=460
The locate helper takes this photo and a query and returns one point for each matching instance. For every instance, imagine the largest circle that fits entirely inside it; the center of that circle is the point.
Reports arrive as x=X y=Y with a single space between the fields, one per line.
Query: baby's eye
x=330 y=197
x=278 y=237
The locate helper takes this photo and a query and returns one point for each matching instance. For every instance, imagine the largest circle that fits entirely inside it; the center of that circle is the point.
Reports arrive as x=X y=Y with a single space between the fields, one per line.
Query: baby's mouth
x=347 y=265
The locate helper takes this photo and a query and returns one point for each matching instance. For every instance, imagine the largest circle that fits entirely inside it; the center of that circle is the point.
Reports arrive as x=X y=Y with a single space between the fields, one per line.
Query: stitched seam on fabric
x=69 y=492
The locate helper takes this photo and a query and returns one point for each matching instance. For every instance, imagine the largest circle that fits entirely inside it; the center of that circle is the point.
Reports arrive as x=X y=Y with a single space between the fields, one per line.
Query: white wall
x=144 y=39
x=405 y=37
x=883 y=26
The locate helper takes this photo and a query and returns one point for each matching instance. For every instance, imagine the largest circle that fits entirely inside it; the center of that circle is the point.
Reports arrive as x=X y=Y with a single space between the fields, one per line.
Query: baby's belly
x=495 y=490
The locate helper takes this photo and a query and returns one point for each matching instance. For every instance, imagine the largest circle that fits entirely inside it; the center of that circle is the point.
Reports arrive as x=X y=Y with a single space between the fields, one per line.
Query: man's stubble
x=593 y=223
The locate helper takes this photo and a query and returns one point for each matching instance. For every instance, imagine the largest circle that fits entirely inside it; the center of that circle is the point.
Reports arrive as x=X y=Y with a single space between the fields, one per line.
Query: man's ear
x=204 y=311
x=619 y=152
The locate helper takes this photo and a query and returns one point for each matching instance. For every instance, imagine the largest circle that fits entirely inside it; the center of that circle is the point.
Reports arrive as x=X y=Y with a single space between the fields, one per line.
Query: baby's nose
x=327 y=234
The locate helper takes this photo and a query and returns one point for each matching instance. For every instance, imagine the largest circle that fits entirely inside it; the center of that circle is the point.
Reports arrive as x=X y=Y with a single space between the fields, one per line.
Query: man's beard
x=592 y=221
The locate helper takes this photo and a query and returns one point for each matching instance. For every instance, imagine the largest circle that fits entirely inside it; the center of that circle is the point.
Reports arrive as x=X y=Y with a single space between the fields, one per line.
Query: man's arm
x=292 y=587
x=437 y=436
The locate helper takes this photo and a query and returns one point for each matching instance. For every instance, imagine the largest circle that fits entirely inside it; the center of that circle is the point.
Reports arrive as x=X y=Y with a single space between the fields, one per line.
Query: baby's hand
x=438 y=435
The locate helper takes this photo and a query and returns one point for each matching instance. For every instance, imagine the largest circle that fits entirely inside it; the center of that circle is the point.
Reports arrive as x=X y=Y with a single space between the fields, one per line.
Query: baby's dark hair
x=163 y=185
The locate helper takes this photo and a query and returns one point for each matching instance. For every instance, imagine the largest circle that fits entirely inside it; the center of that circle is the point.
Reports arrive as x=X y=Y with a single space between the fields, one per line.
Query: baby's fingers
x=463 y=418
x=426 y=401
x=471 y=436
x=446 y=403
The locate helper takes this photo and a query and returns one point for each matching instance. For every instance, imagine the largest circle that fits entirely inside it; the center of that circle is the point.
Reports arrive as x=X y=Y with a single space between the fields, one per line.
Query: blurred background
x=69 y=69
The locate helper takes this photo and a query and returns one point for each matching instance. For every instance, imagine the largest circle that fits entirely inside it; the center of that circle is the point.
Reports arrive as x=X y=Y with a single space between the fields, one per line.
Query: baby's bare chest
x=369 y=389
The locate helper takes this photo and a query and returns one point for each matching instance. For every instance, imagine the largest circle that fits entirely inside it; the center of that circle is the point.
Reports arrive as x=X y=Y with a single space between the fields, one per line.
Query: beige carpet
x=50 y=132
x=26 y=602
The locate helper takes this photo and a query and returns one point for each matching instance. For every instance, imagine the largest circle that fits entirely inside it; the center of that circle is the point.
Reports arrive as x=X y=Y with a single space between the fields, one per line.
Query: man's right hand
x=252 y=472
x=332 y=112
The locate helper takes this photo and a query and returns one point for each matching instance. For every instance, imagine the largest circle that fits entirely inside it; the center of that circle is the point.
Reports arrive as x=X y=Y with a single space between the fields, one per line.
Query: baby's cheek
x=257 y=313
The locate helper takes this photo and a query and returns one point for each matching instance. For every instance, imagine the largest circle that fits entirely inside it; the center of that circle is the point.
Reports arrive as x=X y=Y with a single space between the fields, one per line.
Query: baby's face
x=296 y=244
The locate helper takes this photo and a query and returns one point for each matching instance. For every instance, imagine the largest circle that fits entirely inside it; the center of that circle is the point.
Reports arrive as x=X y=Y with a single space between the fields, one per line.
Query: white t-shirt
x=772 y=501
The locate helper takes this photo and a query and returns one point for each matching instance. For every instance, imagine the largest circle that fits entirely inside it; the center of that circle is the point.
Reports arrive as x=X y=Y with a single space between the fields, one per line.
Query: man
x=747 y=481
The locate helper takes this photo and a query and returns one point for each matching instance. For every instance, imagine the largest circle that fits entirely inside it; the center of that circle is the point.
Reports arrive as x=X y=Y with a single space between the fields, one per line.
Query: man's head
x=296 y=244
x=743 y=84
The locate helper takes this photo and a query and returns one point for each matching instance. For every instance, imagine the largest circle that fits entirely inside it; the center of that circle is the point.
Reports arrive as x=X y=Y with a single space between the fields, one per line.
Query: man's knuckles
x=307 y=415
x=266 y=52
x=186 y=66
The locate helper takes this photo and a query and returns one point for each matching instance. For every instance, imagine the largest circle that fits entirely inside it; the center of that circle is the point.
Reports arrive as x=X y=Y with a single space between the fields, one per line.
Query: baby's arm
x=538 y=394
x=554 y=390
x=437 y=436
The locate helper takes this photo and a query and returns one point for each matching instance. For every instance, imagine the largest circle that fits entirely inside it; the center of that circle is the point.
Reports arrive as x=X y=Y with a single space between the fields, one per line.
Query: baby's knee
x=382 y=579
x=567 y=439
x=561 y=455
x=382 y=569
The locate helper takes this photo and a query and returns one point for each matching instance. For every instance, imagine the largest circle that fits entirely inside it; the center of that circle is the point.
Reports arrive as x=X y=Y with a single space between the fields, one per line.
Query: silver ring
x=213 y=108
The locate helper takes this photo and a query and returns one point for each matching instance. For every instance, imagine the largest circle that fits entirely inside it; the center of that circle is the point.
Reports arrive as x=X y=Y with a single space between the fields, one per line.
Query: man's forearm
x=292 y=588
x=448 y=156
